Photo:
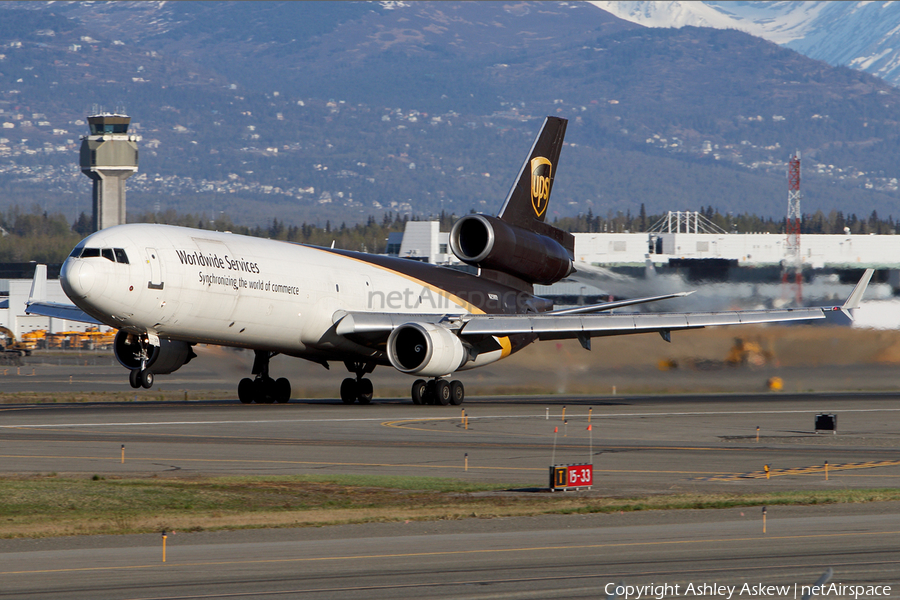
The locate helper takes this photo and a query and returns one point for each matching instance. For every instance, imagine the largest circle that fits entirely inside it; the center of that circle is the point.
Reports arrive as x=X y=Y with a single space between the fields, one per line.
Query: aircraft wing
x=372 y=328
x=553 y=327
x=375 y=327
x=562 y=325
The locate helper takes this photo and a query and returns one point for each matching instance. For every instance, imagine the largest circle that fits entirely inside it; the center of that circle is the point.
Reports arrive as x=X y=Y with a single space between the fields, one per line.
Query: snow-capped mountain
x=861 y=35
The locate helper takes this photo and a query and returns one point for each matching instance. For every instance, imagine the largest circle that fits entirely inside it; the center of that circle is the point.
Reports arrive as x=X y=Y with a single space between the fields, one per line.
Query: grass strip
x=156 y=395
x=49 y=506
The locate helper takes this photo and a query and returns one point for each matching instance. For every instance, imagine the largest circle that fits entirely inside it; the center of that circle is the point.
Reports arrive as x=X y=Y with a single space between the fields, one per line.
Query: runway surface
x=627 y=365
x=547 y=557
x=639 y=445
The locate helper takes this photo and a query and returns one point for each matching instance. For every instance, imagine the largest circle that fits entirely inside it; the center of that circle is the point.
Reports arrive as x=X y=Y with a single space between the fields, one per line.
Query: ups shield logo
x=540 y=184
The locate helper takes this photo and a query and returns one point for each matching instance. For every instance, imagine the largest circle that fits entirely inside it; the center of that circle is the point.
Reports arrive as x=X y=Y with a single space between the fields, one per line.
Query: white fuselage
x=221 y=288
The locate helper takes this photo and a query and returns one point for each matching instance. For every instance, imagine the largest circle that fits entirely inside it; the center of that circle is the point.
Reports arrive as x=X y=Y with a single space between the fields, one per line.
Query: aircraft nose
x=77 y=278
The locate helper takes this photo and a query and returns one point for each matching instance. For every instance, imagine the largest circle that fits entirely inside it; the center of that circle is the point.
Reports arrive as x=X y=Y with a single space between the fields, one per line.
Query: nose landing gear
x=263 y=389
x=141 y=376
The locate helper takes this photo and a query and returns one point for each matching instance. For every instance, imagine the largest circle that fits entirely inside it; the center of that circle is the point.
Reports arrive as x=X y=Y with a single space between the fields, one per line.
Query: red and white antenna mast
x=793 y=259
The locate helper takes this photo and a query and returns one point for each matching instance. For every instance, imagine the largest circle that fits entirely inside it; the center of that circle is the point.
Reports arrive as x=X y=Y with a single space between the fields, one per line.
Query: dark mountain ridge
x=315 y=111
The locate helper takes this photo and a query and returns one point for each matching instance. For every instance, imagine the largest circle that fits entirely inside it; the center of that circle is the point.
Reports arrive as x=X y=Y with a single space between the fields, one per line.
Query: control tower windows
x=101 y=128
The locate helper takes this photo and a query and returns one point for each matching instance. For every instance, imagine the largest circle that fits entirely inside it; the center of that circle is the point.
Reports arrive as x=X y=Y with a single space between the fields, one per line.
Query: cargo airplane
x=168 y=288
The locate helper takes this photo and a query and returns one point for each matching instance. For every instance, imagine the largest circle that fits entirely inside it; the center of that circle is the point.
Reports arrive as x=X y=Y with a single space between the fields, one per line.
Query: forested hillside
x=48 y=238
x=334 y=112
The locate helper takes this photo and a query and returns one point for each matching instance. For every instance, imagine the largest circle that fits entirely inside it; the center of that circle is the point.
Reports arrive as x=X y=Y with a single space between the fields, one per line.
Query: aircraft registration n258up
x=168 y=288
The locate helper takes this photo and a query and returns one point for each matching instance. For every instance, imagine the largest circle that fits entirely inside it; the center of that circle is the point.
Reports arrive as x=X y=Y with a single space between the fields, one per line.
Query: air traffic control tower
x=109 y=156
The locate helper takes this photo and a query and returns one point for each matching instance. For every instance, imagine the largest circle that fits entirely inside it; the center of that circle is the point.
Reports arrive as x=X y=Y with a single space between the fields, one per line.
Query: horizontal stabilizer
x=69 y=312
x=592 y=308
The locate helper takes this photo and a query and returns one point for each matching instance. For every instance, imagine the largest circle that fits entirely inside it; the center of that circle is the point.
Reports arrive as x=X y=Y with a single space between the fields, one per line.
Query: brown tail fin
x=528 y=199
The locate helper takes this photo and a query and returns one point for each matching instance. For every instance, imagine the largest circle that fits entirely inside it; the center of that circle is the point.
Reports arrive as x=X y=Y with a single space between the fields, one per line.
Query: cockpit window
x=116 y=255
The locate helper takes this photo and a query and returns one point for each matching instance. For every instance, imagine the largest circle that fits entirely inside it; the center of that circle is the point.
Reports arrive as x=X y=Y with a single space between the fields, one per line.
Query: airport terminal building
x=422 y=240
x=741 y=264
x=682 y=246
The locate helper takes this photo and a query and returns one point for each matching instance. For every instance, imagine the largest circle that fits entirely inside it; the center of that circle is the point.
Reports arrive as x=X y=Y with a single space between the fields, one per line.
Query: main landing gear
x=263 y=389
x=359 y=389
x=438 y=391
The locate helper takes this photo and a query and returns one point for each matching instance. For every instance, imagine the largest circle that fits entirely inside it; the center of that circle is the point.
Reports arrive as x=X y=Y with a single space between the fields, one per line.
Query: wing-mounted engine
x=532 y=256
x=425 y=349
x=169 y=356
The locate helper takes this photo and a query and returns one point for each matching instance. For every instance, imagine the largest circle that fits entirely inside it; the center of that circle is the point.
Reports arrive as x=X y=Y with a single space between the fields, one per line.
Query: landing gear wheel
x=267 y=391
x=364 y=390
x=146 y=379
x=134 y=378
x=358 y=389
x=282 y=389
x=457 y=393
x=418 y=391
x=246 y=390
x=259 y=391
x=442 y=392
x=263 y=389
x=429 y=397
x=349 y=391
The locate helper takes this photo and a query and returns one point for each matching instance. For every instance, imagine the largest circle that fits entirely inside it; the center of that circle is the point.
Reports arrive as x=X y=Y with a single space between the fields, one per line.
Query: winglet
x=38 y=285
x=857 y=293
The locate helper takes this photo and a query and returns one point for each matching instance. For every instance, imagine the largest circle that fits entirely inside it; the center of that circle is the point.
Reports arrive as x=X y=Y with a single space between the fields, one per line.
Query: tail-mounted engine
x=169 y=356
x=425 y=349
x=489 y=243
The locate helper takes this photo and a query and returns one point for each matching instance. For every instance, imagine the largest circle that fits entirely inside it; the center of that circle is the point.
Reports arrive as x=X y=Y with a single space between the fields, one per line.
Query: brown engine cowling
x=490 y=243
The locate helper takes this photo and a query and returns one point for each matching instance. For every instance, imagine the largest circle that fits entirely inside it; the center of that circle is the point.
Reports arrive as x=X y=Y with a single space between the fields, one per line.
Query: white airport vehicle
x=168 y=288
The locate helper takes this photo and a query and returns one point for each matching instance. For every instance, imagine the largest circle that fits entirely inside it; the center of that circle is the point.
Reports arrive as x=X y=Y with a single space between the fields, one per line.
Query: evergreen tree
x=83 y=226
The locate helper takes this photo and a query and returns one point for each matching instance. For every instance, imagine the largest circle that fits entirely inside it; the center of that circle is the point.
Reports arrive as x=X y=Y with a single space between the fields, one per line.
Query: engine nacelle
x=425 y=349
x=169 y=356
x=490 y=243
